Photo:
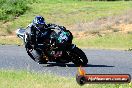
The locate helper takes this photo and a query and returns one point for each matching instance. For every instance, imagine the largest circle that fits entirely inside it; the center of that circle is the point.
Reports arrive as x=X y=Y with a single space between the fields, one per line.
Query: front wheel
x=78 y=57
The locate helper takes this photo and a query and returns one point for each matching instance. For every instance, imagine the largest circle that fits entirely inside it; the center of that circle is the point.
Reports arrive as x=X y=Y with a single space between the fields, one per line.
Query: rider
x=33 y=31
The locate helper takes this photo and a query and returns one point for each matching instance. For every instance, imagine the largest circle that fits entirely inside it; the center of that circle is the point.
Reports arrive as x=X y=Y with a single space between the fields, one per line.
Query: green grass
x=69 y=13
x=110 y=41
x=23 y=79
x=12 y=8
x=10 y=40
x=65 y=12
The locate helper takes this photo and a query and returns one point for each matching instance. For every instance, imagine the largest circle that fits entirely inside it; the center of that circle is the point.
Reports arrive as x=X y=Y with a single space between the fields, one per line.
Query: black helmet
x=39 y=22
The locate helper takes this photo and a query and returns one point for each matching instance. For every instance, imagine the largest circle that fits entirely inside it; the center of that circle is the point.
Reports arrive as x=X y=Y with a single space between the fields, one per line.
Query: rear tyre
x=78 y=57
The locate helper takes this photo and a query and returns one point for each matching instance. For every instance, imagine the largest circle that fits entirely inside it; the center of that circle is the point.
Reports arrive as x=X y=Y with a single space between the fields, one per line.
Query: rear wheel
x=78 y=57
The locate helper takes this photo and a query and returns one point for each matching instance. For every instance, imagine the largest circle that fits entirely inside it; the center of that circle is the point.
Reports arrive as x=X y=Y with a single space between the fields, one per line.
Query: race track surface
x=100 y=62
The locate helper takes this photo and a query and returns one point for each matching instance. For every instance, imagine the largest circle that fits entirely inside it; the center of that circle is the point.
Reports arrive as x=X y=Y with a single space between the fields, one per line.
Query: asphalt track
x=100 y=62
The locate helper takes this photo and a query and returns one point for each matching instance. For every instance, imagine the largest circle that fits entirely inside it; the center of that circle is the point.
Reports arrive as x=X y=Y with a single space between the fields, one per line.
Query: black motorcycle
x=56 y=47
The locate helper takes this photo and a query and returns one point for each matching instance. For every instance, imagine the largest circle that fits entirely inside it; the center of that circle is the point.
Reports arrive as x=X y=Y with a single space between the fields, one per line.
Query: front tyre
x=78 y=57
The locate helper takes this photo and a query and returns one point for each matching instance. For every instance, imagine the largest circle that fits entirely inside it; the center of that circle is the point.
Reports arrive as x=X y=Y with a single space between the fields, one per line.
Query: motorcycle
x=56 y=47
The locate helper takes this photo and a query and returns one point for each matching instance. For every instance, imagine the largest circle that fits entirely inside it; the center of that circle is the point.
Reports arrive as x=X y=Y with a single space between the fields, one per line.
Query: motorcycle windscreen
x=20 y=32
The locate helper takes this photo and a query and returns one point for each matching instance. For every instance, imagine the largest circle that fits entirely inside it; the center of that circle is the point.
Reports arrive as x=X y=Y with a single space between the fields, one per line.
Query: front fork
x=71 y=47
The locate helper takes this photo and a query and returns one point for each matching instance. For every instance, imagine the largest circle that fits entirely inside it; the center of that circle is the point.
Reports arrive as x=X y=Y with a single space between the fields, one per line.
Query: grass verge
x=10 y=40
x=23 y=79
x=70 y=13
x=67 y=13
x=109 y=41
x=119 y=41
